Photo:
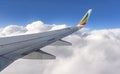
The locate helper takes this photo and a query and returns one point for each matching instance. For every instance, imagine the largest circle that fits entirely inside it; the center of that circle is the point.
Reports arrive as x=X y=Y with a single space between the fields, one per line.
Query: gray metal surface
x=13 y=48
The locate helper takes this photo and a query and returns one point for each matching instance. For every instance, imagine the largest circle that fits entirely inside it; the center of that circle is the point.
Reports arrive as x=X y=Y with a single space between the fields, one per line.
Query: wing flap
x=39 y=55
x=61 y=43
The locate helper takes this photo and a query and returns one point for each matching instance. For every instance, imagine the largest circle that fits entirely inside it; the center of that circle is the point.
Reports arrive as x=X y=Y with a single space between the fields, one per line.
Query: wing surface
x=4 y=62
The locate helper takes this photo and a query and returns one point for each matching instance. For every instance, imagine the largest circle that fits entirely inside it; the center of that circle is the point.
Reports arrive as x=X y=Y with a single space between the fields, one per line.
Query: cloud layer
x=92 y=52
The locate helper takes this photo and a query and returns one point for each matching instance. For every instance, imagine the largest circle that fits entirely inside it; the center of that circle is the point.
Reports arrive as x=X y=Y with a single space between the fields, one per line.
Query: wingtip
x=89 y=11
x=85 y=19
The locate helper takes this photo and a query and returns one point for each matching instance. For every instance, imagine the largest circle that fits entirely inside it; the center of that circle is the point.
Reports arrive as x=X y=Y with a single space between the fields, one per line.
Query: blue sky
x=106 y=13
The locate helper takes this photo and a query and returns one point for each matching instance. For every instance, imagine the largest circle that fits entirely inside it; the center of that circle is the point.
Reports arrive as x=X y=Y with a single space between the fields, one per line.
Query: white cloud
x=12 y=30
x=93 y=52
x=37 y=26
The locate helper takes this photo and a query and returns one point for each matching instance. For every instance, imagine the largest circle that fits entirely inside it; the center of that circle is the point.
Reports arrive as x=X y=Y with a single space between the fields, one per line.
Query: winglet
x=85 y=19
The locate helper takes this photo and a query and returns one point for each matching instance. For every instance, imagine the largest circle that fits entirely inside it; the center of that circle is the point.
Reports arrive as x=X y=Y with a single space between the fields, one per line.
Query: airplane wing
x=4 y=62
x=28 y=46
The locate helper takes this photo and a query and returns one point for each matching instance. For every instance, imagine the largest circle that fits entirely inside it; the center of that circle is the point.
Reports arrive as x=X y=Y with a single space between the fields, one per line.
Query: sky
x=105 y=13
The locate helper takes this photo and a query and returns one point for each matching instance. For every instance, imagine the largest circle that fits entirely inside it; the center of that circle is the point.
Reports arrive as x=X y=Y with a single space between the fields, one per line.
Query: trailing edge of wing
x=39 y=55
x=61 y=43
